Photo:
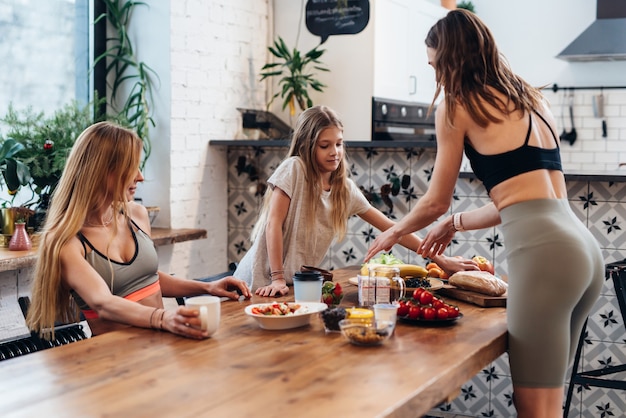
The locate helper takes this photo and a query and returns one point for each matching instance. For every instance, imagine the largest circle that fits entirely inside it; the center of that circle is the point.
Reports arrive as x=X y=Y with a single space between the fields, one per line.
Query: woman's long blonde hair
x=310 y=125
x=469 y=68
x=101 y=165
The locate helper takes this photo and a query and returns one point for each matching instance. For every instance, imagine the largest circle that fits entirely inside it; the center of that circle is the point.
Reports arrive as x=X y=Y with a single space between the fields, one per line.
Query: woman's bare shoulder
x=71 y=249
x=139 y=214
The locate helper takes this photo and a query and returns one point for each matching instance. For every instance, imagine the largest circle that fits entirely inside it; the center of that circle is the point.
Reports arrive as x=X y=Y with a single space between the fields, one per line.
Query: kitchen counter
x=617 y=176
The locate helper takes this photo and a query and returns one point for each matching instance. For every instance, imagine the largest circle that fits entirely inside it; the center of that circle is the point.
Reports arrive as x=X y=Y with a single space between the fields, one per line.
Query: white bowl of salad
x=284 y=315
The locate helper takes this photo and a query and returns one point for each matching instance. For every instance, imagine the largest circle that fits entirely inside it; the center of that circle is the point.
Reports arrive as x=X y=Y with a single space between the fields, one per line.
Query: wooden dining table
x=246 y=371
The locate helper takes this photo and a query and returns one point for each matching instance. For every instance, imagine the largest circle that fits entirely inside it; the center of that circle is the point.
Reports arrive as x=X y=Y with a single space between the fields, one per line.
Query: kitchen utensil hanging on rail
x=597 y=103
x=571 y=135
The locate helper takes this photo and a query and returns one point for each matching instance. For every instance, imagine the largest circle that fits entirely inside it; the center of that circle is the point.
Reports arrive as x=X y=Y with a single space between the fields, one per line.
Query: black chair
x=232 y=267
x=617 y=272
x=63 y=334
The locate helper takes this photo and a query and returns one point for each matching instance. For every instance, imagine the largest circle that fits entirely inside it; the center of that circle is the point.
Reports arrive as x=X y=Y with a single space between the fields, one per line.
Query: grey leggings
x=556 y=271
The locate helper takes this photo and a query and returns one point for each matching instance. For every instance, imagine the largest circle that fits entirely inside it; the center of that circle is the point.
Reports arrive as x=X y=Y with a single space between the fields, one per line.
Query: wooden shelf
x=166 y=236
x=14 y=260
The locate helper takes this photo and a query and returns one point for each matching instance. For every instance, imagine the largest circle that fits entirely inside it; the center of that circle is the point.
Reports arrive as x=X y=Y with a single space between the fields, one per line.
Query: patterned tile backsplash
x=600 y=205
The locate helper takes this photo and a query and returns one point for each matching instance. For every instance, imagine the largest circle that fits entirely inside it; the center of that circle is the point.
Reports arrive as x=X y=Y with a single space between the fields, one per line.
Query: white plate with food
x=284 y=315
x=435 y=284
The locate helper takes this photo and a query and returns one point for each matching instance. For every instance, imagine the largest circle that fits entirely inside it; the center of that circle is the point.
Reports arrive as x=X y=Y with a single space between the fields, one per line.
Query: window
x=45 y=53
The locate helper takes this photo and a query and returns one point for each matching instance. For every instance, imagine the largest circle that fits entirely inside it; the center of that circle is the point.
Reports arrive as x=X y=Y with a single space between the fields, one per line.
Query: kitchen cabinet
x=401 y=69
x=386 y=60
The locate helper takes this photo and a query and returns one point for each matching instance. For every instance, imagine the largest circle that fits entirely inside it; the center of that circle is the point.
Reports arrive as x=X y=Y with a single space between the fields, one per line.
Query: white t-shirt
x=300 y=246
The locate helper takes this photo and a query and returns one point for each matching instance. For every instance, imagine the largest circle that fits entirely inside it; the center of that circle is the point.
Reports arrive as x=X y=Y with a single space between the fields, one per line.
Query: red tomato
x=426 y=297
x=414 y=312
x=437 y=303
x=442 y=313
x=417 y=292
x=403 y=309
x=453 y=311
x=428 y=312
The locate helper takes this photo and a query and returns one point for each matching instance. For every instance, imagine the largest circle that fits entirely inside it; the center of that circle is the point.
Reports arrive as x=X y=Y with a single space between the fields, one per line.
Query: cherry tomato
x=426 y=297
x=453 y=311
x=417 y=292
x=403 y=309
x=437 y=303
x=442 y=313
x=428 y=312
x=414 y=312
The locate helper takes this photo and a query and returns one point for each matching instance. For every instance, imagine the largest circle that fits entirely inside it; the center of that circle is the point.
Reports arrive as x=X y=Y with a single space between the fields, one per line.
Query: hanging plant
x=125 y=74
x=296 y=78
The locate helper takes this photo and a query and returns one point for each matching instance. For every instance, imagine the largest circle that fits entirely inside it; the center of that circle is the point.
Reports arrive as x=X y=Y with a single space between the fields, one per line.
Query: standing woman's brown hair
x=104 y=159
x=469 y=68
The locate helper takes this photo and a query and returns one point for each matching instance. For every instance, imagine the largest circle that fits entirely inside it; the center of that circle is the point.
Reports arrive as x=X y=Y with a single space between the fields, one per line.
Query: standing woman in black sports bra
x=96 y=254
x=508 y=134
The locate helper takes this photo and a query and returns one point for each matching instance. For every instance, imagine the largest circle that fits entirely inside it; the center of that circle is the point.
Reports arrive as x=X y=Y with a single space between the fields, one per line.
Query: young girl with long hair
x=307 y=205
x=96 y=254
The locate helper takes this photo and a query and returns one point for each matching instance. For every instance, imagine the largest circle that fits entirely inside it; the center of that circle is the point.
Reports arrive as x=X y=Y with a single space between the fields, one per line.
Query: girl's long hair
x=469 y=68
x=102 y=163
x=310 y=125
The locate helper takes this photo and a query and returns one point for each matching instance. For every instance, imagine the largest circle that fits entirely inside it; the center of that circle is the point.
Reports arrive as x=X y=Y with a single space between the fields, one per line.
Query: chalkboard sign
x=336 y=17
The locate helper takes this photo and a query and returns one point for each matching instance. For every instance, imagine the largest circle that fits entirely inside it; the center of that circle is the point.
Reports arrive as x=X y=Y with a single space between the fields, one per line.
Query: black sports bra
x=494 y=169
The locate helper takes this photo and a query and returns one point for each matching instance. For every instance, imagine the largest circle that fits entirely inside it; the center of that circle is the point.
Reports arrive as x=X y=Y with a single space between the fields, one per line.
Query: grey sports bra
x=127 y=278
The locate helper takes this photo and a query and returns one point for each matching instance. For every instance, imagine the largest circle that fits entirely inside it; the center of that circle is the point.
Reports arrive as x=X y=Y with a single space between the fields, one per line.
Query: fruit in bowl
x=332 y=316
x=332 y=294
x=365 y=333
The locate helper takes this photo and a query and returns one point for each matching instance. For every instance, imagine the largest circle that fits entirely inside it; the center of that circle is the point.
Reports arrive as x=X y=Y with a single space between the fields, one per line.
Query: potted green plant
x=15 y=174
x=35 y=148
x=14 y=171
x=467 y=5
x=130 y=81
x=295 y=75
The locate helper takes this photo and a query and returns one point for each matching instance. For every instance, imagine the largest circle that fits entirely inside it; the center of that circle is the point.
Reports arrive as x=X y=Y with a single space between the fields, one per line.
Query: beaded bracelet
x=275 y=272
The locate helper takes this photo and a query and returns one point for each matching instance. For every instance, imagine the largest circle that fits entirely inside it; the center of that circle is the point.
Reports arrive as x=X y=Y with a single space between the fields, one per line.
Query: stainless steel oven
x=394 y=120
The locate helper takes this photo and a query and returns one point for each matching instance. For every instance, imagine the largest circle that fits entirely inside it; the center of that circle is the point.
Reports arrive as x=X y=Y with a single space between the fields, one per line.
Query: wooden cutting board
x=472 y=297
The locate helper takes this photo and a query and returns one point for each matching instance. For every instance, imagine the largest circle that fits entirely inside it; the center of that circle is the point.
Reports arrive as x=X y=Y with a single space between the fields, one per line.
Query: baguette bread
x=479 y=281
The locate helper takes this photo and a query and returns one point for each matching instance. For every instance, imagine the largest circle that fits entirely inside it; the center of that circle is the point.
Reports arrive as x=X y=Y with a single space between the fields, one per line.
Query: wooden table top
x=244 y=370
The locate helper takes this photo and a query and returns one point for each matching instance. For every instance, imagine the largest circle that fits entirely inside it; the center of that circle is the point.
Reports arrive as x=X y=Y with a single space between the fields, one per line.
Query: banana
x=412 y=270
x=405 y=269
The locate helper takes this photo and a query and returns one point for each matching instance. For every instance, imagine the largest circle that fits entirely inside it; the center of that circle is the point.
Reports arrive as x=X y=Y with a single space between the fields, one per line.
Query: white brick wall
x=590 y=150
x=217 y=50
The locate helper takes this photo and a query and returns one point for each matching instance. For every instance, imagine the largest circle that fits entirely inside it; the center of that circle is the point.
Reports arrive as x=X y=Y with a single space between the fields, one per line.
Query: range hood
x=604 y=39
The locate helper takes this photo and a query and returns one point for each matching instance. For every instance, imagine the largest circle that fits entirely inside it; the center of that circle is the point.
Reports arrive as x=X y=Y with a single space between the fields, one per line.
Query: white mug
x=209 y=308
